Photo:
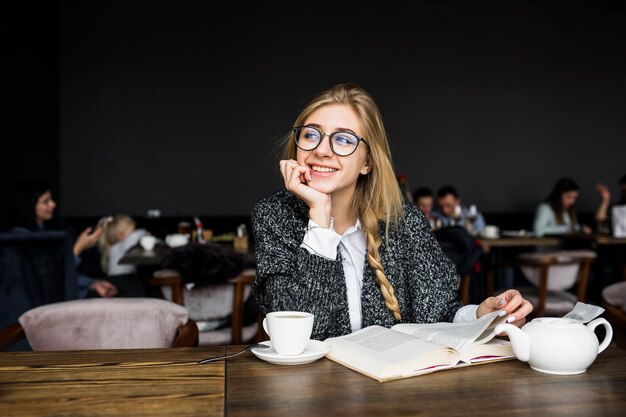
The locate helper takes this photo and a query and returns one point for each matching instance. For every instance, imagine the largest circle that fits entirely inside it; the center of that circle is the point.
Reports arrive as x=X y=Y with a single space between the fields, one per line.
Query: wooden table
x=133 y=382
x=168 y=382
x=510 y=388
x=517 y=242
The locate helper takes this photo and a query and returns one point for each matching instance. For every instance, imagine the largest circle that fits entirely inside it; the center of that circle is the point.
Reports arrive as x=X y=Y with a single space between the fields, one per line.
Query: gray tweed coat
x=289 y=278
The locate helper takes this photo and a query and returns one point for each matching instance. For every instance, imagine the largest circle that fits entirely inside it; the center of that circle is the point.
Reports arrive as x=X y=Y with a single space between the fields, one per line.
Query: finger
x=305 y=175
x=495 y=303
x=286 y=169
x=519 y=315
x=297 y=176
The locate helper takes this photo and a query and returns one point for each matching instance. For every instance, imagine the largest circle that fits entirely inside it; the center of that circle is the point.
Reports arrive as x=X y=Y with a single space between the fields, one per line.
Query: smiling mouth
x=322 y=169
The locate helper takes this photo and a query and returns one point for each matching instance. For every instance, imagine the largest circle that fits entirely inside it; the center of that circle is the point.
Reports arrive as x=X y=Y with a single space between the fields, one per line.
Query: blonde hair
x=110 y=236
x=377 y=196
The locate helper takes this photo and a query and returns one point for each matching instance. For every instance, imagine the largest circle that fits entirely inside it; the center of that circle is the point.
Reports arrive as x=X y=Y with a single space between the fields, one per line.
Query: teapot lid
x=556 y=321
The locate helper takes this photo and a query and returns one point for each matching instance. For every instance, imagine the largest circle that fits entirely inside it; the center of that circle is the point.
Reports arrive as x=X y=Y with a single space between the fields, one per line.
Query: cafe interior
x=161 y=125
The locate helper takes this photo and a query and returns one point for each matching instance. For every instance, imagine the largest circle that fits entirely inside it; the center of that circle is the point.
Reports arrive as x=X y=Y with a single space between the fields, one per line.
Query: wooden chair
x=240 y=286
x=552 y=274
x=103 y=323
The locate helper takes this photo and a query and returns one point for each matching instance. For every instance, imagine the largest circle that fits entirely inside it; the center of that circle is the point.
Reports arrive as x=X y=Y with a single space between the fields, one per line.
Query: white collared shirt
x=352 y=247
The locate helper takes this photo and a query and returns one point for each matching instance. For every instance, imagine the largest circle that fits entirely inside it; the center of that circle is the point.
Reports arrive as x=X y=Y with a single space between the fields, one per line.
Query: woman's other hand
x=512 y=302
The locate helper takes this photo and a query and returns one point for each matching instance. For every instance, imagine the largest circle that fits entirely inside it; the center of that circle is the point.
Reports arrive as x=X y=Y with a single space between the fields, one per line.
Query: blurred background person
x=120 y=235
x=452 y=213
x=424 y=199
x=557 y=214
x=603 y=213
x=32 y=210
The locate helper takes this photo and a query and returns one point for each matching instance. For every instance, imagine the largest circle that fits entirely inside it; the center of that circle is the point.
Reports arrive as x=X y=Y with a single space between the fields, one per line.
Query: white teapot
x=557 y=345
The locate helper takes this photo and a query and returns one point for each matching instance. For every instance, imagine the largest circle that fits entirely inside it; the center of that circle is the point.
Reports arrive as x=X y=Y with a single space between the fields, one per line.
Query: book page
x=382 y=353
x=494 y=349
x=454 y=335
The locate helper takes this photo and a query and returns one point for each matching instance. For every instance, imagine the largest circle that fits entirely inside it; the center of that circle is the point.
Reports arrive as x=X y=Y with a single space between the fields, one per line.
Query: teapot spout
x=520 y=341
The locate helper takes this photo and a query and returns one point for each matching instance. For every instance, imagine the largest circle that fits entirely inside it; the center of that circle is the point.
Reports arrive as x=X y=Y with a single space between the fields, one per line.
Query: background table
x=502 y=252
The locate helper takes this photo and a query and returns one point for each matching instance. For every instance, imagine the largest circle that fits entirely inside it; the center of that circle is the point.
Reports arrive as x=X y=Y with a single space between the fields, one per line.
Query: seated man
x=423 y=198
x=452 y=213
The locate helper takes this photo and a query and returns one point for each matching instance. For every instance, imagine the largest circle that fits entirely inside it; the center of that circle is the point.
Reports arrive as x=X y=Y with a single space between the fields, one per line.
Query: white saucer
x=314 y=350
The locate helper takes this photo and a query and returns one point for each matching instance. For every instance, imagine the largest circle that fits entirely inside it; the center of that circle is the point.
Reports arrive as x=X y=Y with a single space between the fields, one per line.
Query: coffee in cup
x=289 y=331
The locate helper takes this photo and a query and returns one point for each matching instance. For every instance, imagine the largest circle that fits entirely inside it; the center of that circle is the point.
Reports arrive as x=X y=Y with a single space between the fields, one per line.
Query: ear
x=365 y=170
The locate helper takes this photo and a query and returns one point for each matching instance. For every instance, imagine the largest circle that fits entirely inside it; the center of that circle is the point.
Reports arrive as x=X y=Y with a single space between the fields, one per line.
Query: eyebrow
x=339 y=129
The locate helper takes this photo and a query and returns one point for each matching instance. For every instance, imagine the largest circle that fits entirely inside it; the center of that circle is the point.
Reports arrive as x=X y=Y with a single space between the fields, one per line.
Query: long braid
x=373 y=241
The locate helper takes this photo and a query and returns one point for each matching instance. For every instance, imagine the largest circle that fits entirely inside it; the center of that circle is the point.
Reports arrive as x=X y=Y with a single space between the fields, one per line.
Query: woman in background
x=32 y=210
x=340 y=242
x=557 y=215
x=119 y=236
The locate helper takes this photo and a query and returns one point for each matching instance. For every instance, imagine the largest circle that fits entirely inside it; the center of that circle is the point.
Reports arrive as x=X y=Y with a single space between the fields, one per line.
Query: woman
x=33 y=210
x=557 y=215
x=342 y=207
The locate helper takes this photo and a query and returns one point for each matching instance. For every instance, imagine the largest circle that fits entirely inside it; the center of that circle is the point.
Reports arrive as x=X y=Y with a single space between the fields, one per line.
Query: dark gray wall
x=178 y=106
x=30 y=98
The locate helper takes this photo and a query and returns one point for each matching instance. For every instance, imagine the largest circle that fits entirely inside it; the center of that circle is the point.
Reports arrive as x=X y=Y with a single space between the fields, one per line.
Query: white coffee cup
x=147 y=242
x=290 y=331
x=176 y=240
x=491 y=231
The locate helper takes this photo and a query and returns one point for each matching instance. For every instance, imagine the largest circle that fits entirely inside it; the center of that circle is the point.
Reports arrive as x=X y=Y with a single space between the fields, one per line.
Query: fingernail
x=500 y=302
x=511 y=319
x=501 y=313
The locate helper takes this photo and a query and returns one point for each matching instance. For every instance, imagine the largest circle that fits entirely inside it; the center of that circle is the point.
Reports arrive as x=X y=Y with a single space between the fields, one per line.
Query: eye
x=345 y=139
x=309 y=133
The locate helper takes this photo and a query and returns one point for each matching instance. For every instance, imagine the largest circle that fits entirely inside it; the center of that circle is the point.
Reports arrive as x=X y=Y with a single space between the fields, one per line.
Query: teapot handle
x=609 y=332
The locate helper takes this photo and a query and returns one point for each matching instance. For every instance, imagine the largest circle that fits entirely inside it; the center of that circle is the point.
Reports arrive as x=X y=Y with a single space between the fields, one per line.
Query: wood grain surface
x=167 y=382
x=133 y=382
x=510 y=388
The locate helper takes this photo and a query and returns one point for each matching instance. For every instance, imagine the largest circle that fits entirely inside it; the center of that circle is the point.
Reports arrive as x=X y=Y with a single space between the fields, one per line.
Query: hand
x=586 y=229
x=87 y=239
x=297 y=179
x=512 y=302
x=604 y=192
x=104 y=288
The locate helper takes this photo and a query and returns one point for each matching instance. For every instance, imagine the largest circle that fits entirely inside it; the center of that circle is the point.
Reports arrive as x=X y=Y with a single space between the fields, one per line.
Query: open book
x=414 y=349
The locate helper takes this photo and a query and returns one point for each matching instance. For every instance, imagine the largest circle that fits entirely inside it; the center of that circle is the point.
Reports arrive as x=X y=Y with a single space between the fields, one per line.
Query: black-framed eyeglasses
x=342 y=143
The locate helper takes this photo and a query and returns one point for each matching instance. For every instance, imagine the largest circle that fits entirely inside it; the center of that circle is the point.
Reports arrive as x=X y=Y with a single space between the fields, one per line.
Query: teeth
x=322 y=169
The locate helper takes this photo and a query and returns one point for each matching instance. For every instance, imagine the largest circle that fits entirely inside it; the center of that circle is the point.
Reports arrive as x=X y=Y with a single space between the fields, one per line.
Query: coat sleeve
x=289 y=278
x=434 y=281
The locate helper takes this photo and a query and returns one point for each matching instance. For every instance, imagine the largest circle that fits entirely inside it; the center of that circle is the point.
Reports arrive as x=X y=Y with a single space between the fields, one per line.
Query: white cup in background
x=491 y=231
x=289 y=331
x=147 y=242
x=176 y=240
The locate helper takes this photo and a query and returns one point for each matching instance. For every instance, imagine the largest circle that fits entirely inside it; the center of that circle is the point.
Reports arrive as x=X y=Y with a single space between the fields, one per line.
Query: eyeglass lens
x=342 y=143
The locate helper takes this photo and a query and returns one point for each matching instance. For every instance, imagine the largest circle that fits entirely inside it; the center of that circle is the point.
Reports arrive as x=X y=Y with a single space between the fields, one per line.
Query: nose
x=324 y=149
